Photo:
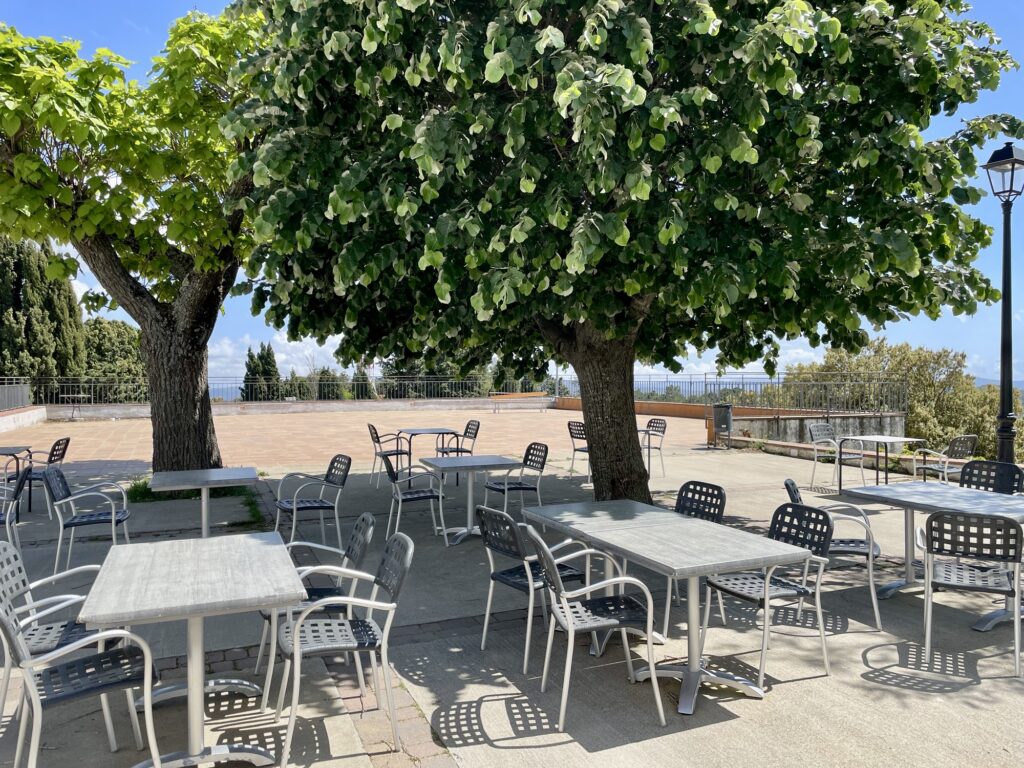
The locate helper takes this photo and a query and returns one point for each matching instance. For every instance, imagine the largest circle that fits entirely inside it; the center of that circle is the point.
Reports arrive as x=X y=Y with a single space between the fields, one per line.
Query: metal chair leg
x=529 y=629
x=263 y=644
x=629 y=657
x=654 y=678
x=134 y=717
x=547 y=655
x=821 y=630
x=389 y=695
x=927 y=613
x=707 y=620
x=271 y=658
x=26 y=712
x=487 y=615
x=874 y=595
x=566 y=676
x=284 y=688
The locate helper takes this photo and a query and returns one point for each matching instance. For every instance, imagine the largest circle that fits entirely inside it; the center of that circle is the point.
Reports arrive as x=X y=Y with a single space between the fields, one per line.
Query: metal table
x=676 y=546
x=15 y=451
x=470 y=465
x=883 y=440
x=424 y=431
x=191 y=579
x=938 y=497
x=204 y=480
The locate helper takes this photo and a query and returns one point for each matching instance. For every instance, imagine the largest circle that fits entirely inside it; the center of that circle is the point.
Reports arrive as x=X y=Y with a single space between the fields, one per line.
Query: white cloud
x=227 y=355
x=79 y=287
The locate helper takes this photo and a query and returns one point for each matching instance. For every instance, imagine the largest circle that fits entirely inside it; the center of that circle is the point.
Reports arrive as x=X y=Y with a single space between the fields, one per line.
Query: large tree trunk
x=179 y=396
x=605 y=371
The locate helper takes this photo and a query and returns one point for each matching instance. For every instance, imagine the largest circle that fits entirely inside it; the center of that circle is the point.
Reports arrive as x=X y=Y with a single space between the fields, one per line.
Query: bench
x=498 y=399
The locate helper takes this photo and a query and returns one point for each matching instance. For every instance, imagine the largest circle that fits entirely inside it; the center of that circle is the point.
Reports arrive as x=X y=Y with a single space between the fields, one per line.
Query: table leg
x=877 y=467
x=839 y=468
x=458 y=535
x=694 y=672
x=909 y=577
x=204 y=503
x=198 y=753
x=886 y=464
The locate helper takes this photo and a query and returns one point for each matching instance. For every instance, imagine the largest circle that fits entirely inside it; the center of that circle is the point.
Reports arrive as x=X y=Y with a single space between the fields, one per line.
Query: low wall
x=22 y=417
x=679 y=410
x=794 y=428
x=141 y=410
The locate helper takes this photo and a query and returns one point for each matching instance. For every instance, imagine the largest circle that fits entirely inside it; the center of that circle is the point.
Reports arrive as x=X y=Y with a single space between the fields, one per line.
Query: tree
x=136 y=179
x=262 y=380
x=606 y=180
x=40 y=321
x=943 y=400
x=362 y=385
x=112 y=350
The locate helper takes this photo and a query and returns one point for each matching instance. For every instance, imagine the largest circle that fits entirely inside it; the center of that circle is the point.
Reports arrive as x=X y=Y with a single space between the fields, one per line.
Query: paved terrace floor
x=882 y=705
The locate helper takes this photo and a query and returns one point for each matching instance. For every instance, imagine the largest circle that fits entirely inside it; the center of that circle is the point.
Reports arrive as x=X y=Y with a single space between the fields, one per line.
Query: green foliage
x=40 y=321
x=510 y=178
x=943 y=400
x=362 y=385
x=262 y=380
x=410 y=377
x=112 y=350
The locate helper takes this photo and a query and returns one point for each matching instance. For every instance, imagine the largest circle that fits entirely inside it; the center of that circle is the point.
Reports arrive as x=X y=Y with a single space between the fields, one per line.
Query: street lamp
x=1006 y=175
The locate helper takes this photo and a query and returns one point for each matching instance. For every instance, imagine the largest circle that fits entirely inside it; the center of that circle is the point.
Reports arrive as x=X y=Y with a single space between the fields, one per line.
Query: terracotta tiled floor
x=273 y=442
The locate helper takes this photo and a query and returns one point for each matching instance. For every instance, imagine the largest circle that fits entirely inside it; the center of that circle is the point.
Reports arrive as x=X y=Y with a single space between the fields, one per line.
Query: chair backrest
x=501 y=533
x=394 y=565
x=58 y=450
x=983 y=537
x=337 y=470
x=802 y=526
x=390 y=469
x=19 y=486
x=705 y=501
x=374 y=434
x=536 y=457
x=578 y=430
x=821 y=431
x=657 y=425
x=546 y=560
x=793 y=491
x=56 y=484
x=359 y=540
x=14 y=584
x=471 y=430
x=962 y=447
x=996 y=476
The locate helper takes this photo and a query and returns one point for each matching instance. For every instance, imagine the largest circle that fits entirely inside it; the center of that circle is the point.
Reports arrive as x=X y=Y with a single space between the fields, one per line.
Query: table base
x=458 y=535
x=993 y=619
x=240 y=753
x=690 y=681
x=600 y=642
x=177 y=691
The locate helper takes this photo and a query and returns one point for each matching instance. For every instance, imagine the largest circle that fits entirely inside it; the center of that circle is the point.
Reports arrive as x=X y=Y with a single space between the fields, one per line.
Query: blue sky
x=137 y=31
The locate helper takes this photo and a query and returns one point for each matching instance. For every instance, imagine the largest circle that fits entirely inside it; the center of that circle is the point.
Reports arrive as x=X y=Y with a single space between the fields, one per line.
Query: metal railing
x=14 y=393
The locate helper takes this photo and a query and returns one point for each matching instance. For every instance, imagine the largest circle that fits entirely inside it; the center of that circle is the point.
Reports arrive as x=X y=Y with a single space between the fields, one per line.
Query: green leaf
x=657 y=142
x=799 y=201
x=394 y=121
x=498 y=66
x=549 y=37
x=632 y=287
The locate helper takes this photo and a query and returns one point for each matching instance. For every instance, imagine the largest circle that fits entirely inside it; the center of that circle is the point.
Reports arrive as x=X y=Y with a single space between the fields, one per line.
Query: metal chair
x=995 y=476
x=704 y=501
x=49 y=677
x=824 y=440
x=801 y=526
x=333 y=481
x=623 y=612
x=534 y=460
x=656 y=428
x=577 y=435
x=319 y=636
x=431 y=494
x=504 y=536
x=350 y=557
x=865 y=547
x=59 y=497
x=10 y=500
x=380 y=451
x=987 y=538
x=960 y=447
x=54 y=458
x=459 y=445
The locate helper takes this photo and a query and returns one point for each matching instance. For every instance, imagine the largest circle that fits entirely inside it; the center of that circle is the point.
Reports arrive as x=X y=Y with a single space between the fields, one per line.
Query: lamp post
x=1006 y=176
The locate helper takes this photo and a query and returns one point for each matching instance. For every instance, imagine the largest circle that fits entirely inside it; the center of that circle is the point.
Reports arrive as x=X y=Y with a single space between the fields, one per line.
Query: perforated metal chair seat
x=936 y=469
x=112 y=670
x=853 y=547
x=582 y=449
x=513 y=485
x=516 y=577
x=43 y=638
x=844 y=456
x=948 y=573
x=420 y=494
x=95 y=518
x=332 y=636
x=603 y=613
x=750 y=587
x=454 y=449
x=394 y=452
x=304 y=505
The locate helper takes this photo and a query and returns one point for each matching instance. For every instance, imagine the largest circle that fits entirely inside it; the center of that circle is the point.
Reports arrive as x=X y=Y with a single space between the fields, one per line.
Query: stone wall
x=22 y=417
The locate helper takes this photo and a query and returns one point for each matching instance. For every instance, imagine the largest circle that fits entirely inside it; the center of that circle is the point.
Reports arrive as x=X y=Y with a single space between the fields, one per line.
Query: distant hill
x=982 y=382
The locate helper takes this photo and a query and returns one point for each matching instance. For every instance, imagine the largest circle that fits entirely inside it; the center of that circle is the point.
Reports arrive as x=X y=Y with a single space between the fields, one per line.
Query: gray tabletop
x=663 y=541
x=428 y=431
x=936 y=497
x=883 y=439
x=10 y=450
x=203 y=478
x=170 y=580
x=572 y=517
x=480 y=463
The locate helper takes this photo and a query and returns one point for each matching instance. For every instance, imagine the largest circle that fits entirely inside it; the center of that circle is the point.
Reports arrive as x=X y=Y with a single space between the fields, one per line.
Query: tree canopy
x=40 y=321
x=112 y=350
x=136 y=178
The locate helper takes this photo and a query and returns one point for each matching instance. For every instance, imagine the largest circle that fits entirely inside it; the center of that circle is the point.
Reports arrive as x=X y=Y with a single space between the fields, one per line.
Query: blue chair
x=60 y=498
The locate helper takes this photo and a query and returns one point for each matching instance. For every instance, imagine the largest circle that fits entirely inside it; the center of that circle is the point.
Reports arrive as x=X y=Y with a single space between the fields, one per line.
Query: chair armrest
x=44 y=602
x=856 y=521
x=594 y=553
x=846 y=505
x=49 y=659
x=94 y=569
x=615 y=581
x=340 y=601
x=919 y=538
x=311 y=545
x=337 y=570
x=88 y=494
x=925 y=452
x=98 y=486
x=35 y=617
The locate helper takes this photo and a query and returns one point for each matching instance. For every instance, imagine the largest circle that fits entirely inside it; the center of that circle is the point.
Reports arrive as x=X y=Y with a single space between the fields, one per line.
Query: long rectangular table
x=674 y=546
x=937 y=497
x=191 y=579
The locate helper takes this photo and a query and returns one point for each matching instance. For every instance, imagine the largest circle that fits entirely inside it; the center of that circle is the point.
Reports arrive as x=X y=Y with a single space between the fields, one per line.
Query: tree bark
x=605 y=371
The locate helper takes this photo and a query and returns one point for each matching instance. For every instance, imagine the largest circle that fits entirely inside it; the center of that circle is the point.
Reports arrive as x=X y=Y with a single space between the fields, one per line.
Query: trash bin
x=721 y=416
